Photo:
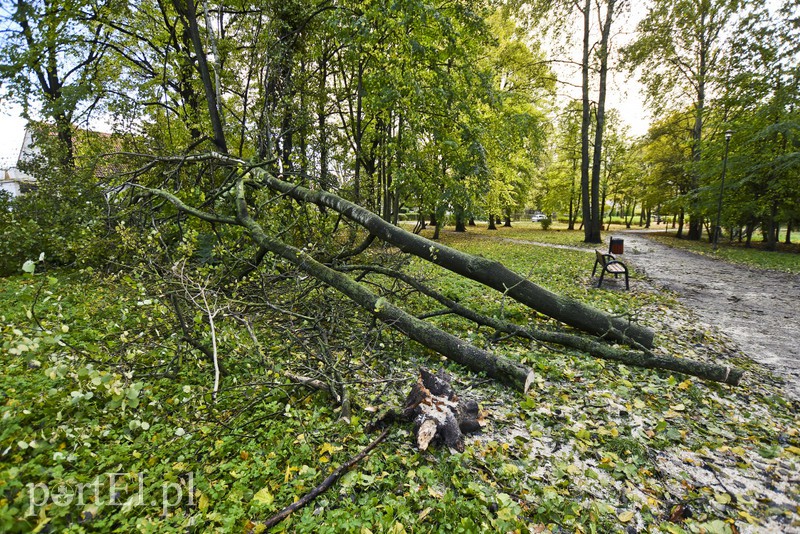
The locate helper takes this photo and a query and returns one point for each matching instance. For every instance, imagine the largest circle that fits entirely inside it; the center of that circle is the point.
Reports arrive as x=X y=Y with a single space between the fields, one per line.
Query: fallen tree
x=643 y=358
x=490 y=273
x=501 y=369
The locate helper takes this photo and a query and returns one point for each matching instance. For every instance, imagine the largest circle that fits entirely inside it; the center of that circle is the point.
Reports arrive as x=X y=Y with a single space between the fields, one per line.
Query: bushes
x=66 y=216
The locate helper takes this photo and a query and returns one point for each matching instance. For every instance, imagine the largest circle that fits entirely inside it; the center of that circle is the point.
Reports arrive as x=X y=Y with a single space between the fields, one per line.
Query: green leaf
x=29 y=267
x=263 y=496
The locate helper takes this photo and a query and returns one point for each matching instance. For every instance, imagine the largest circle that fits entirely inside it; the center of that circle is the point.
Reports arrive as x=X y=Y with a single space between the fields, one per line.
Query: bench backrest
x=601 y=257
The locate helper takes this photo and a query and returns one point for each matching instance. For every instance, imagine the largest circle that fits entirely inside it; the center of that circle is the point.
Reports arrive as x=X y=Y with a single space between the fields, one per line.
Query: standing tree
x=680 y=51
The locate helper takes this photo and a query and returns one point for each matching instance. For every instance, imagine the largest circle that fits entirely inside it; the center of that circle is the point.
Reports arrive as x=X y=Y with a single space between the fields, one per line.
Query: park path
x=758 y=309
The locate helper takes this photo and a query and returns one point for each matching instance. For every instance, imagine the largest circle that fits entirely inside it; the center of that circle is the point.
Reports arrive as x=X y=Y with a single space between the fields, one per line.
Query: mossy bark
x=480 y=361
x=490 y=273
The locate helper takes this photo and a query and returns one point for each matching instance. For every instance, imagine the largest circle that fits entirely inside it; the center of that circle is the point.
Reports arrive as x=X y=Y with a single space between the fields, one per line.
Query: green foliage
x=97 y=380
x=66 y=216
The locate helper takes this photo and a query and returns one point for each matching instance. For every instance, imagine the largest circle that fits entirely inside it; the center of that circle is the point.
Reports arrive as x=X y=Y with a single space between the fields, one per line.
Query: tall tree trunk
x=585 y=122
x=322 y=119
x=358 y=131
x=189 y=10
x=573 y=210
x=595 y=236
x=695 y=217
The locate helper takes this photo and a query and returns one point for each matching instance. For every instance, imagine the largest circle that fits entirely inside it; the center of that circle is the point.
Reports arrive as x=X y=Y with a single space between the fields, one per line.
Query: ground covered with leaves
x=109 y=420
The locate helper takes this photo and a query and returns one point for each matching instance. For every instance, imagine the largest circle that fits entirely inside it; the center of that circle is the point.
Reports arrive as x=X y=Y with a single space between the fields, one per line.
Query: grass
x=786 y=258
x=97 y=380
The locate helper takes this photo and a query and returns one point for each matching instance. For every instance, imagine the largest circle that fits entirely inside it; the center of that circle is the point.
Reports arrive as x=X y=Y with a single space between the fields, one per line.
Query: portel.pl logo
x=113 y=489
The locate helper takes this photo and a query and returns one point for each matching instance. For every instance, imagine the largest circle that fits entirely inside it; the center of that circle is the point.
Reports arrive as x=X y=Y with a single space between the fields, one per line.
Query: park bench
x=609 y=264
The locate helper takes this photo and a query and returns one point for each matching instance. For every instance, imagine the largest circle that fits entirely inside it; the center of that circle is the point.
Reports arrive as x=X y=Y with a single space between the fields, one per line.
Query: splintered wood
x=438 y=413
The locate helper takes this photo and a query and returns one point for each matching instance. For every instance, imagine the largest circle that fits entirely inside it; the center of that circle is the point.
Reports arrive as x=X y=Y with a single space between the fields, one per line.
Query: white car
x=536 y=217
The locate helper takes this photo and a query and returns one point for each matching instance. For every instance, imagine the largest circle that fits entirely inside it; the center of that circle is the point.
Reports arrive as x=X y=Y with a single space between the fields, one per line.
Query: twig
x=326 y=484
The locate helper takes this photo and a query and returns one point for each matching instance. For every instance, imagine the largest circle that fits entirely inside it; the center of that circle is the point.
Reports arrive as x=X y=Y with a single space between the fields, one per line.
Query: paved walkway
x=758 y=309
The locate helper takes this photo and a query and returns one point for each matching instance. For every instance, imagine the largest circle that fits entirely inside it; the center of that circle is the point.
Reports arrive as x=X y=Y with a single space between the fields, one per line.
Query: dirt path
x=758 y=309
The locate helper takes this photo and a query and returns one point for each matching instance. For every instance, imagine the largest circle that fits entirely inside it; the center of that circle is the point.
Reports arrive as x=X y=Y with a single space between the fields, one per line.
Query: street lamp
x=728 y=135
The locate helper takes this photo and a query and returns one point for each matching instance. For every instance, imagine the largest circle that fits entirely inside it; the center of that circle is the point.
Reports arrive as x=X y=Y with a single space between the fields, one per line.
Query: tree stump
x=438 y=413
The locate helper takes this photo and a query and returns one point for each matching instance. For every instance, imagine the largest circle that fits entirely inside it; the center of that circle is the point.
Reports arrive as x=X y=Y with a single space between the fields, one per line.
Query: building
x=14 y=181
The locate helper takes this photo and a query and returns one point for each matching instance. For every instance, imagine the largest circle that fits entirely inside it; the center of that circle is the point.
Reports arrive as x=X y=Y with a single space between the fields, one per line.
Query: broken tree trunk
x=488 y=272
x=504 y=370
x=439 y=414
x=645 y=358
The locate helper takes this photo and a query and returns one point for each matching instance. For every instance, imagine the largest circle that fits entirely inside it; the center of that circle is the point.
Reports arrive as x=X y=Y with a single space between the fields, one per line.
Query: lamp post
x=728 y=135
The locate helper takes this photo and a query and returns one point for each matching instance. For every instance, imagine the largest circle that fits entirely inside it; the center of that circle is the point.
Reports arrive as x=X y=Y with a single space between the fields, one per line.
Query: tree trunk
x=505 y=371
x=645 y=359
x=595 y=235
x=585 y=122
x=490 y=273
x=459 y=215
x=190 y=12
x=491 y=223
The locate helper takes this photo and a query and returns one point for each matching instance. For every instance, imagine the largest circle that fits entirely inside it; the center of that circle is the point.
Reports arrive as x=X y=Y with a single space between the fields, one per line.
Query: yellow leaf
x=423 y=514
x=434 y=493
x=678 y=407
x=202 y=502
x=686 y=384
x=573 y=469
x=794 y=450
x=739 y=451
x=625 y=516
x=722 y=498
x=747 y=517
x=639 y=404
x=264 y=496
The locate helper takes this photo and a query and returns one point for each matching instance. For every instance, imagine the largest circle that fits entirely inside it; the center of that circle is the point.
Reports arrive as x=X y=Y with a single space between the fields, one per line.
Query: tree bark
x=646 y=359
x=490 y=273
x=586 y=199
x=597 y=220
x=501 y=369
